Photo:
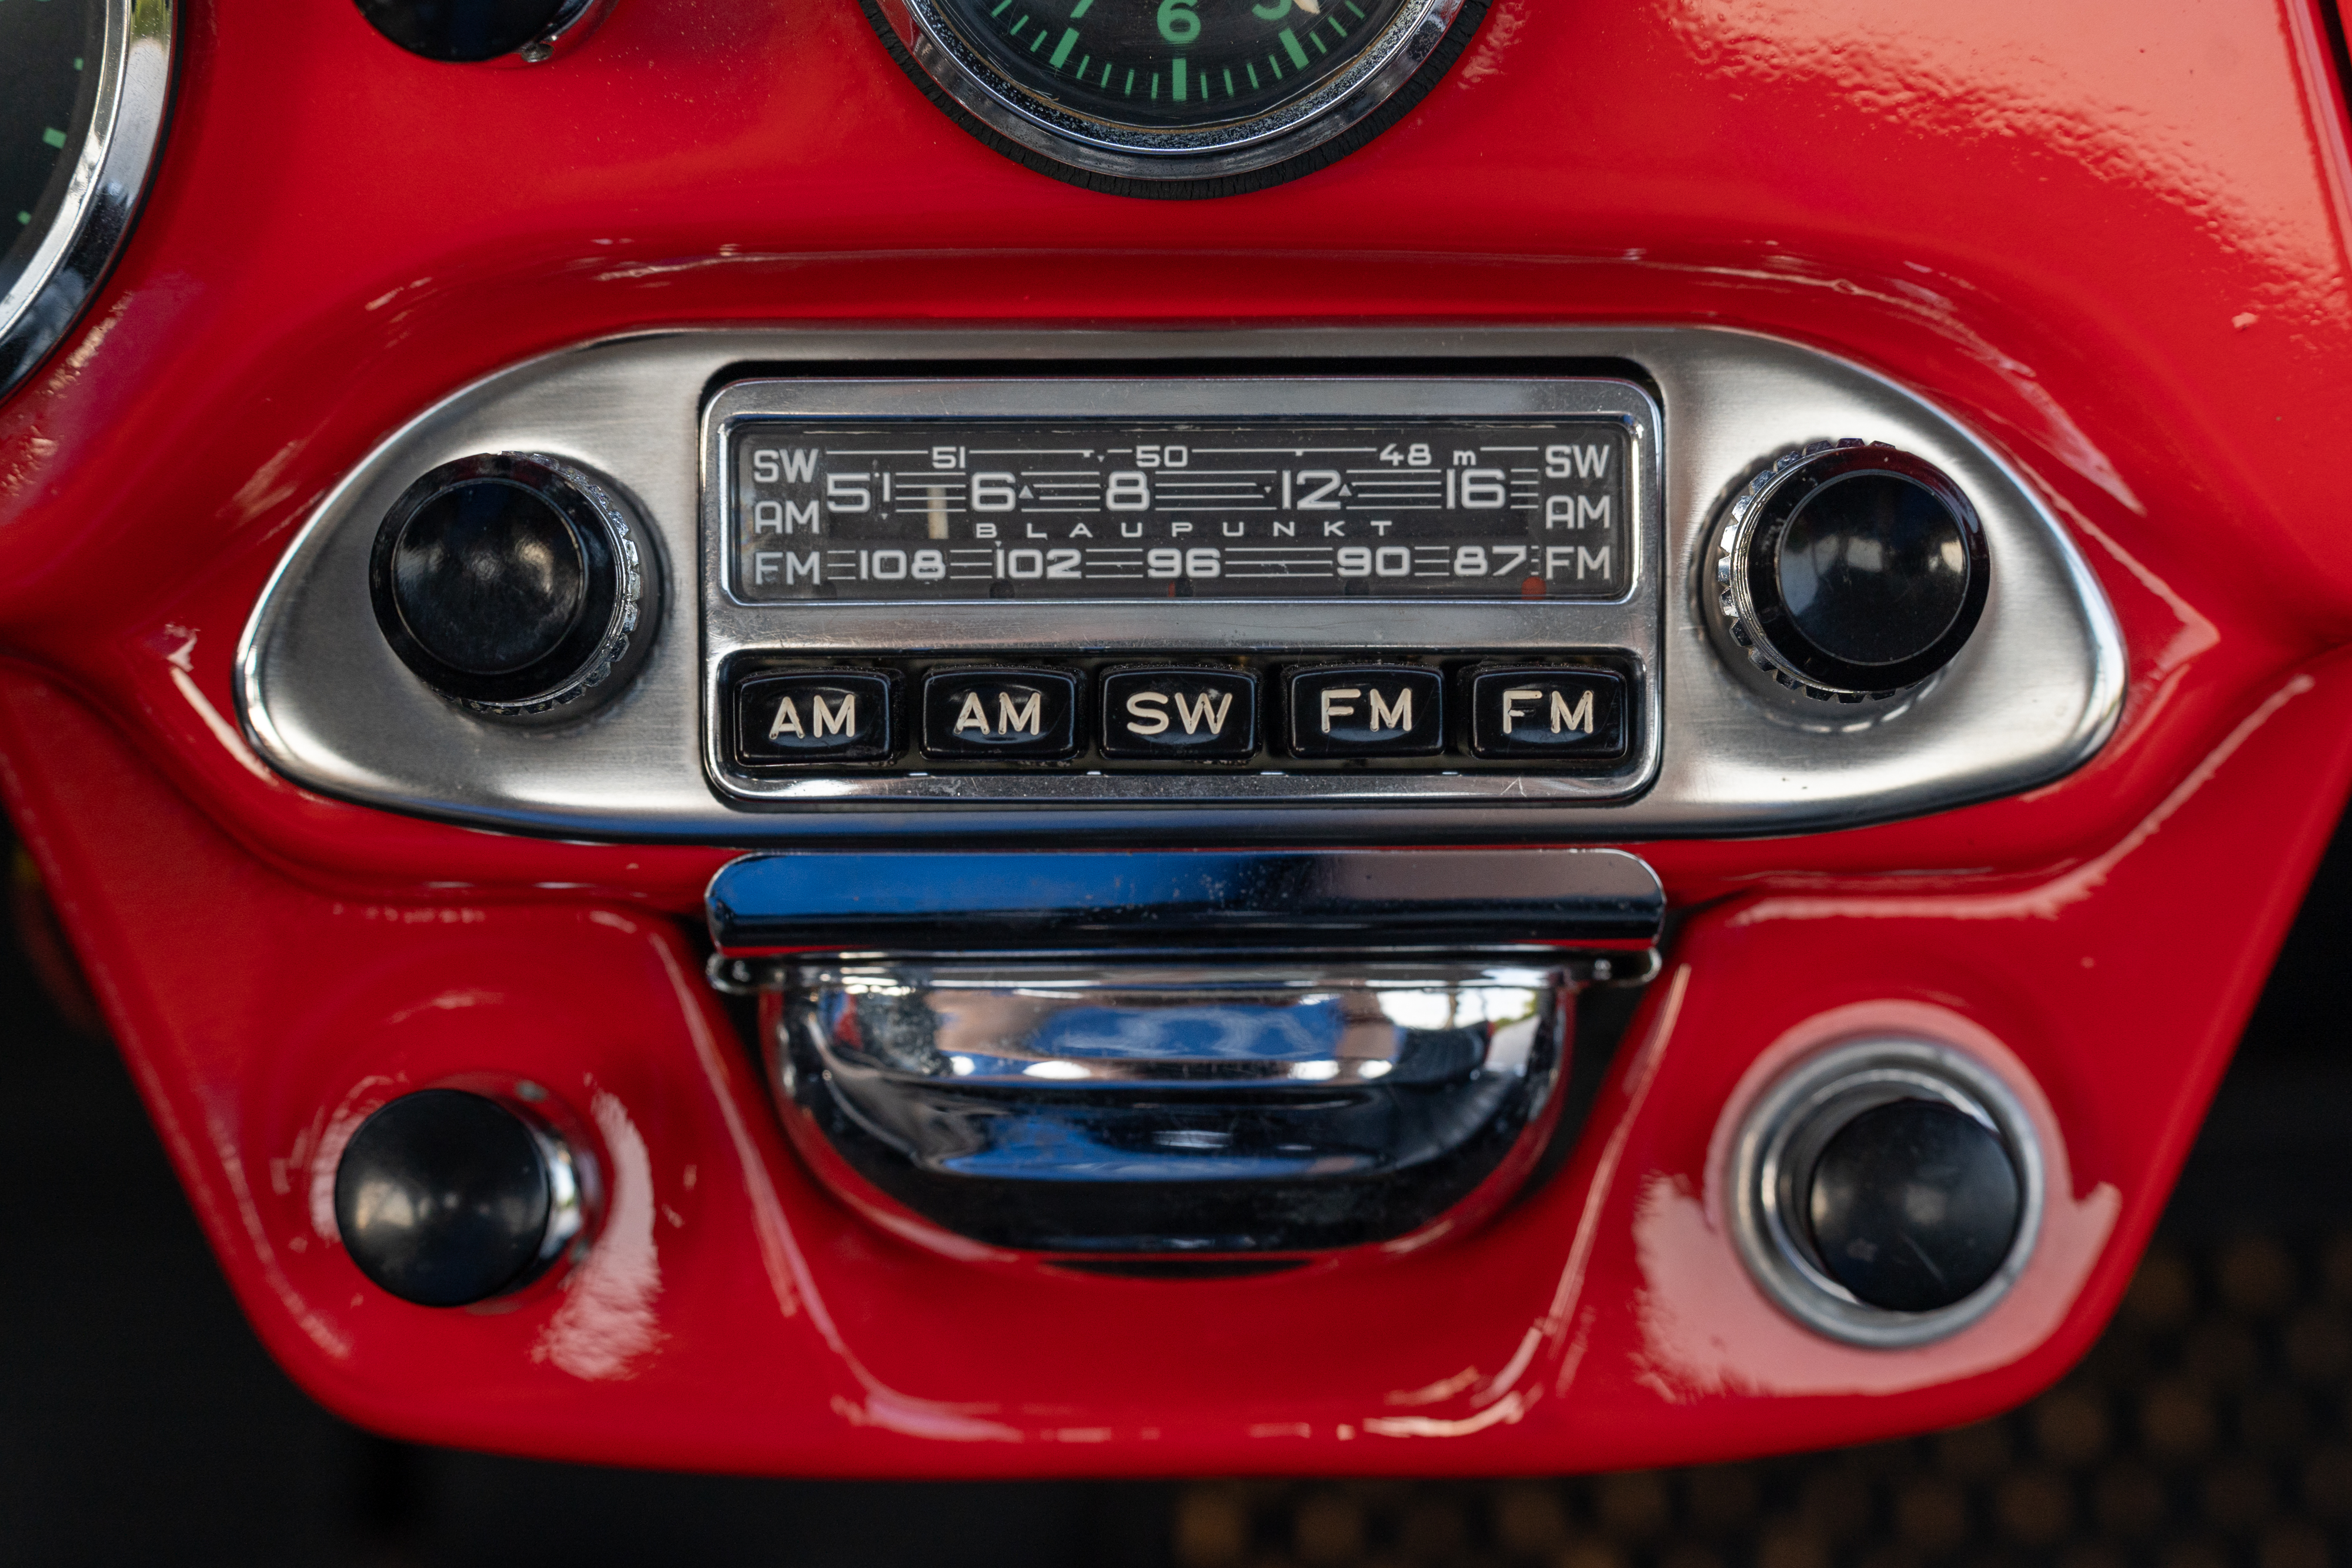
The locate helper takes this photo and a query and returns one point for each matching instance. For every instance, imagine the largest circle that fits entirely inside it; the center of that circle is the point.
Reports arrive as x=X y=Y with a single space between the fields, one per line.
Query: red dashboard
x=2093 y=256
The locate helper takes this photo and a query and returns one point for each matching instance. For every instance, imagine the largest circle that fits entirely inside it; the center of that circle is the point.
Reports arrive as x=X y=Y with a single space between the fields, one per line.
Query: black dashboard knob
x=459 y=30
x=1850 y=570
x=1912 y=1204
x=514 y=584
x=447 y=1198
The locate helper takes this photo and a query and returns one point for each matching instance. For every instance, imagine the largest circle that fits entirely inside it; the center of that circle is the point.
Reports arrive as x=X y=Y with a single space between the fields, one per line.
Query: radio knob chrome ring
x=1849 y=571
x=515 y=584
x=1888 y=1191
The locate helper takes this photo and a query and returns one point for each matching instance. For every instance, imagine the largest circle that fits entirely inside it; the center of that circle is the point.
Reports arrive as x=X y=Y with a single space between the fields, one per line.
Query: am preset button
x=1179 y=715
x=1001 y=715
x=1569 y=715
x=813 y=717
x=1367 y=710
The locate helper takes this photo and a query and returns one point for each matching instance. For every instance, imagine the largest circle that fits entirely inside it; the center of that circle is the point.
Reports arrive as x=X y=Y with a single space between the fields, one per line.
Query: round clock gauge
x=1176 y=97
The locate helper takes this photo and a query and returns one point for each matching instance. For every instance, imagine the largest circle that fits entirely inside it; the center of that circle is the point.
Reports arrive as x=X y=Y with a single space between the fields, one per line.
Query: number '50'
x=1179 y=23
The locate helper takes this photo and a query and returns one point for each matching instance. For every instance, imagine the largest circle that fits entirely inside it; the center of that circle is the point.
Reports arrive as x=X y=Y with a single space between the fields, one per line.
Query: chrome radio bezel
x=322 y=699
x=1626 y=628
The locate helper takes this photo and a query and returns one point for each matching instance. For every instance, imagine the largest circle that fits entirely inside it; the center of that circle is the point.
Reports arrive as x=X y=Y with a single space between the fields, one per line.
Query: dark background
x=140 y=1421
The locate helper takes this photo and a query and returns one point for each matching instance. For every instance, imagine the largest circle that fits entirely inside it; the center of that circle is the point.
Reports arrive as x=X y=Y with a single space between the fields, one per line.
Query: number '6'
x=1179 y=23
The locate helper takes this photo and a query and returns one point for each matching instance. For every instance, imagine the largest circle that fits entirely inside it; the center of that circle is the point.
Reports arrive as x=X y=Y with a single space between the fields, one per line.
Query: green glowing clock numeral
x=1179 y=23
x=1273 y=11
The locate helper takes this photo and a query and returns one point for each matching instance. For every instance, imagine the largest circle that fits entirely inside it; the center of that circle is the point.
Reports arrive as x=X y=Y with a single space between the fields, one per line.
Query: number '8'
x=1179 y=23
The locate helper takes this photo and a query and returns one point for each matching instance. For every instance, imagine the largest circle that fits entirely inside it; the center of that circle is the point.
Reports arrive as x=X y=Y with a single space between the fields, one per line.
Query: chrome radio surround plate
x=1626 y=627
x=2033 y=695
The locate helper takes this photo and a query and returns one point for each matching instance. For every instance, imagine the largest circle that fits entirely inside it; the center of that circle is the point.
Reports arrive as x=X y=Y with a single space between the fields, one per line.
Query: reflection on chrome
x=1156 y=1108
x=1158 y=1025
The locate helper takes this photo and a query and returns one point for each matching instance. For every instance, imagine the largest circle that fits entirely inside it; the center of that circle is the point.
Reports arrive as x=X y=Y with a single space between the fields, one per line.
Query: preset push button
x=1571 y=714
x=813 y=716
x=1180 y=716
x=1367 y=710
x=1001 y=715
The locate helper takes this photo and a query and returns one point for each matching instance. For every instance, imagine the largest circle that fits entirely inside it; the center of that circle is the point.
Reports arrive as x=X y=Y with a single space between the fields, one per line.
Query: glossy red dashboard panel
x=2109 y=238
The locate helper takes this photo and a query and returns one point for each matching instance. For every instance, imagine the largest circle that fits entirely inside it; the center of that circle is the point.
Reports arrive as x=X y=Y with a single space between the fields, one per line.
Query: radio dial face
x=1288 y=509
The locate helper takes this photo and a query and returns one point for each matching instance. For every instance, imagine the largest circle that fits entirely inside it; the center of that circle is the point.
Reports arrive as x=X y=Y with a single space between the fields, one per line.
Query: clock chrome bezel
x=1135 y=152
x=110 y=176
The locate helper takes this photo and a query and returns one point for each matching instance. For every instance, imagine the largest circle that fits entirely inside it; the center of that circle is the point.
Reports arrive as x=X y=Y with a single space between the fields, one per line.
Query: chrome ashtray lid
x=1175 y=1053
x=1150 y=1111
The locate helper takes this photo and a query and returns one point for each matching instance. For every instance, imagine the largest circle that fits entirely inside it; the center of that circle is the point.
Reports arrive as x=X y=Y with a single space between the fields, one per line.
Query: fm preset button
x=1564 y=715
x=813 y=717
x=1001 y=715
x=1180 y=716
x=1369 y=710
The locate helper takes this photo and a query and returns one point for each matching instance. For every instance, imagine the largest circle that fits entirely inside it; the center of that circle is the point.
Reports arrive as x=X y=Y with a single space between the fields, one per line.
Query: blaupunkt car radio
x=1384 y=506
x=1031 y=509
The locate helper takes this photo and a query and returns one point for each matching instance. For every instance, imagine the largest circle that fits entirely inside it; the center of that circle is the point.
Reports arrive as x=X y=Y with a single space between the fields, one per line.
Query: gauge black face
x=1171 y=64
x=48 y=74
x=1182 y=99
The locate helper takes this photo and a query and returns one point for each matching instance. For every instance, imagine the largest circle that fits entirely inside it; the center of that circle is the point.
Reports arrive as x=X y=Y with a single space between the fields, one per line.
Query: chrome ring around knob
x=1965 y=1211
x=1850 y=569
x=515 y=584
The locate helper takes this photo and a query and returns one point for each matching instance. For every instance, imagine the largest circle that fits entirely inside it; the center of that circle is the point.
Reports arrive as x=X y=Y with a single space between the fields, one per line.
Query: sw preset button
x=813 y=717
x=1569 y=715
x=1180 y=716
x=1001 y=715
x=1370 y=710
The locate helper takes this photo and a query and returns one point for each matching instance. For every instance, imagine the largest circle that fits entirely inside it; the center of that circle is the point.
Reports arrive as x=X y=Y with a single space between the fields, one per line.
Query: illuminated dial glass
x=1171 y=64
x=49 y=75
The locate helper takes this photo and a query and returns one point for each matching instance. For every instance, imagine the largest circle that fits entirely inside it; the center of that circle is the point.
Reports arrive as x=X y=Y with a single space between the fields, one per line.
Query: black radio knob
x=515 y=584
x=1913 y=1205
x=445 y=1197
x=1850 y=570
